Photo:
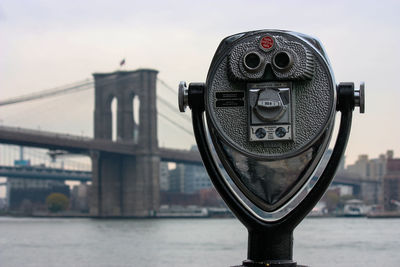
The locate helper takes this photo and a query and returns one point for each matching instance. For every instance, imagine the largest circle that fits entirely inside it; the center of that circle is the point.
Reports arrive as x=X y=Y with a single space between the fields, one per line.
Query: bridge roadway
x=86 y=145
x=43 y=173
x=345 y=178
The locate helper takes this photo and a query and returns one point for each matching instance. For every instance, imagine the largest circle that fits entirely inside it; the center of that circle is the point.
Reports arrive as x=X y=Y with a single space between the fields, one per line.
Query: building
x=164 y=176
x=195 y=179
x=391 y=185
x=176 y=179
x=372 y=172
x=3 y=204
x=187 y=185
x=370 y=169
x=28 y=194
x=80 y=198
x=189 y=178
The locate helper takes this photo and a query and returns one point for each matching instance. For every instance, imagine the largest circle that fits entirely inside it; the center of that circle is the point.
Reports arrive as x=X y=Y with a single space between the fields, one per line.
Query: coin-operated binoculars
x=270 y=101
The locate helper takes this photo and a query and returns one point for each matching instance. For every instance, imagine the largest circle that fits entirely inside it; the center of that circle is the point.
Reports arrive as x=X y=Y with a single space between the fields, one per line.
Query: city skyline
x=32 y=152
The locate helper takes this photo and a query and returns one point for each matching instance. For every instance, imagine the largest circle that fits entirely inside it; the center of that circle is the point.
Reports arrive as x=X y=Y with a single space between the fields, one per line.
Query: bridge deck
x=43 y=173
x=85 y=145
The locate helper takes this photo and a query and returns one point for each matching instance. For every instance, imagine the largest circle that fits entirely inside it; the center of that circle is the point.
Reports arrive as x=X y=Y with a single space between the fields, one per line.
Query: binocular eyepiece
x=270 y=57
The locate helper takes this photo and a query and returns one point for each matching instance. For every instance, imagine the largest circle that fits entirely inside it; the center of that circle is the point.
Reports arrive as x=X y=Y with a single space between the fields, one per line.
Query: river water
x=189 y=242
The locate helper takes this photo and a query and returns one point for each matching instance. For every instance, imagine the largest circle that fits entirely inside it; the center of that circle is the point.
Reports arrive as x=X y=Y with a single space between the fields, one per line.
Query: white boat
x=182 y=212
x=354 y=208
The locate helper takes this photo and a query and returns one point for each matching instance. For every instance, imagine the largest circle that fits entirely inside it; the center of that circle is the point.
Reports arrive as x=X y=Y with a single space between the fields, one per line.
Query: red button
x=267 y=42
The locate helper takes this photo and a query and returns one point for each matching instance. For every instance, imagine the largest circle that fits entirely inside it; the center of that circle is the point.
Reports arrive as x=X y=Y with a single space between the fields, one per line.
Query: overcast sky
x=45 y=44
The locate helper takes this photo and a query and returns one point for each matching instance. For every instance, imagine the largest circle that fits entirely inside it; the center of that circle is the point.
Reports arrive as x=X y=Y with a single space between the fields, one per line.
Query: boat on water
x=192 y=211
x=354 y=208
x=182 y=212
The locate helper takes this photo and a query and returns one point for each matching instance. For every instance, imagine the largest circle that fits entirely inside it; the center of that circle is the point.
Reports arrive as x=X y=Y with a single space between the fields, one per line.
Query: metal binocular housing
x=270 y=102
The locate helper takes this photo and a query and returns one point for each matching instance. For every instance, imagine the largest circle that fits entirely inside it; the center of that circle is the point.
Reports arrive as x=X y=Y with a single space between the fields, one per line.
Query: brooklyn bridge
x=125 y=172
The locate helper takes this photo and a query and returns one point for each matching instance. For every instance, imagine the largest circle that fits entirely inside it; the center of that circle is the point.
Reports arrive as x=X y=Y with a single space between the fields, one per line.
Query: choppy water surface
x=189 y=242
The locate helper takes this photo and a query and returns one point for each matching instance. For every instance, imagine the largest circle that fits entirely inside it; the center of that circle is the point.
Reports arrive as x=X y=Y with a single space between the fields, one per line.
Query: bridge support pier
x=125 y=185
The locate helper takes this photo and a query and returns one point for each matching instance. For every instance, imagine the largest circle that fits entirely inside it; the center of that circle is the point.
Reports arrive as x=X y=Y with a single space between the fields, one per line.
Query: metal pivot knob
x=349 y=97
x=183 y=99
x=191 y=96
x=359 y=97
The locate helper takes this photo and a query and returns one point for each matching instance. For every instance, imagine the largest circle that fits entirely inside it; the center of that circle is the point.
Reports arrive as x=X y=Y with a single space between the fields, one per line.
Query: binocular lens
x=282 y=61
x=252 y=61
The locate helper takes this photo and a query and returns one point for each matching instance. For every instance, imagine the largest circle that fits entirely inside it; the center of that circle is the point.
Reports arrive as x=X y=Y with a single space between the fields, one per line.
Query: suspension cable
x=175 y=124
x=88 y=84
x=167 y=86
x=48 y=93
x=74 y=87
x=173 y=108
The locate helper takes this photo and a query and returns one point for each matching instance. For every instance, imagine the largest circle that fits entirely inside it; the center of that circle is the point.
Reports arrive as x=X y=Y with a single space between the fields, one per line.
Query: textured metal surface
x=314 y=99
x=303 y=66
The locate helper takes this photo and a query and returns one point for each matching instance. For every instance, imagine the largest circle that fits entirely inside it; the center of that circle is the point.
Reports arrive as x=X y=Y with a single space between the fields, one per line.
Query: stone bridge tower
x=123 y=185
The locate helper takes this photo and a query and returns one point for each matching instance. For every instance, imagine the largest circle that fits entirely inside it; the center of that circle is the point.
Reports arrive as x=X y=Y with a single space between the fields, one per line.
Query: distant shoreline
x=81 y=216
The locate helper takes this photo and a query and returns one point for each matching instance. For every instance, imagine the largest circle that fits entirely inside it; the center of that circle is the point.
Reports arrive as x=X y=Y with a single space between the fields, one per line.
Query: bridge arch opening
x=114 y=118
x=136 y=117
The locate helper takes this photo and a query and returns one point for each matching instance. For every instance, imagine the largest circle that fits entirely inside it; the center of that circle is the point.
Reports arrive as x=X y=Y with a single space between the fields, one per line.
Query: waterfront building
x=164 y=176
x=189 y=178
x=176 y=179
x=31 y=194
x=391 y=185
x=80 y=198
x=195 y=179
x=371 y=169
x=369 y=173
